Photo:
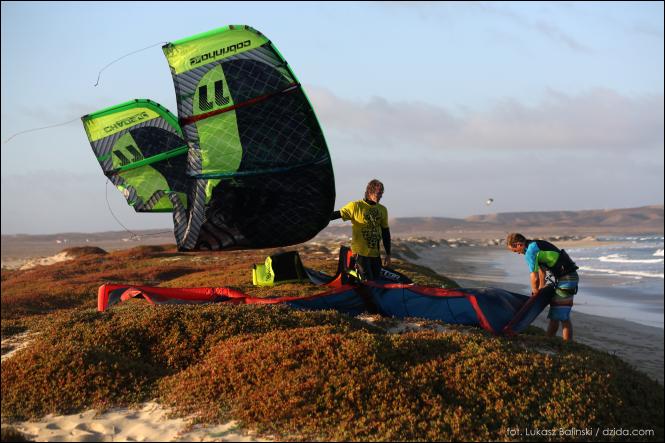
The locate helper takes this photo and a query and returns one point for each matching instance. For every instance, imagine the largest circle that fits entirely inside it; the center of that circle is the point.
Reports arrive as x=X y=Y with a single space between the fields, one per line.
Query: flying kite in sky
x=489 y=201
x=244 y=165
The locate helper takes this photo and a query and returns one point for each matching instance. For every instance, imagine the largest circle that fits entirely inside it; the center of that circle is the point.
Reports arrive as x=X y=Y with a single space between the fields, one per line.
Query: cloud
x=555 y=33
x=599 y=120
x=537 y=21
x=647 y=30
x=459 y=186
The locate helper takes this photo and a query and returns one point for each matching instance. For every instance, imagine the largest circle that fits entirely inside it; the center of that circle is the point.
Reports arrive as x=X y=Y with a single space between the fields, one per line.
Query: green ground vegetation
x=297 y=375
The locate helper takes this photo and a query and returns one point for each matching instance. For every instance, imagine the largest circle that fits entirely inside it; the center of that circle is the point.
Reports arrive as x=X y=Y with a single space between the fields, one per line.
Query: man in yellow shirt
x=369 y=226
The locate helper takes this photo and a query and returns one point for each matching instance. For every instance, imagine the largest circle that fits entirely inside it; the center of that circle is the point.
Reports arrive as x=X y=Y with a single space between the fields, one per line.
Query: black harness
x=564 y=265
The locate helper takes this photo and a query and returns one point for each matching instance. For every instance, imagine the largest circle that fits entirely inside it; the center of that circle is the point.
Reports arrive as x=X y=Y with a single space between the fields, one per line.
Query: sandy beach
x=486 y=266
x=147 y=422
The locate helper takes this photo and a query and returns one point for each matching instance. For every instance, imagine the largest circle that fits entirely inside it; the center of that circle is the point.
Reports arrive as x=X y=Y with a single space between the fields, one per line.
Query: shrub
x=91 y=359
x=316 y=384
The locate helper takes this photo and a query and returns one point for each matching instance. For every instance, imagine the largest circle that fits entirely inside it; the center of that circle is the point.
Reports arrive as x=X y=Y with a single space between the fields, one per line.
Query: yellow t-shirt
x=367 y=221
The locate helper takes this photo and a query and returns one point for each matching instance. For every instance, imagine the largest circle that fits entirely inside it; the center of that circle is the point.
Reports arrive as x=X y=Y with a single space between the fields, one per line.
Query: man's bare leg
x=567 y=330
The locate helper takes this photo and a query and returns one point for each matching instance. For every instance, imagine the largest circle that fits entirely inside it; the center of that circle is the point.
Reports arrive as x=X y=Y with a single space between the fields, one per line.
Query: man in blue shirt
x=544 y=258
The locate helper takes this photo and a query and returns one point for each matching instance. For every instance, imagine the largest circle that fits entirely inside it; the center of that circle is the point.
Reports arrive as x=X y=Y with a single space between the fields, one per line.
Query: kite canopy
x=257 y=172
x=495 y=310
x=140 y=148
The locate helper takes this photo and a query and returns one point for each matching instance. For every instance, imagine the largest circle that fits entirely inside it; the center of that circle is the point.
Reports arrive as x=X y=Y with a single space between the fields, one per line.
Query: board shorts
x=369 y=268
x=564 y=293
x=559 y=313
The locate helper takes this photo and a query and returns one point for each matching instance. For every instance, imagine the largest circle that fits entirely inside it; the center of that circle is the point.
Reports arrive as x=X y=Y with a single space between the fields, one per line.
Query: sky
x=541 y=106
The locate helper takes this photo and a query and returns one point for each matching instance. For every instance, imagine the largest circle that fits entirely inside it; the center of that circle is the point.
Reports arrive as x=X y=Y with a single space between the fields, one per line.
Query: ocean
x=620 y=277
x=637 y=261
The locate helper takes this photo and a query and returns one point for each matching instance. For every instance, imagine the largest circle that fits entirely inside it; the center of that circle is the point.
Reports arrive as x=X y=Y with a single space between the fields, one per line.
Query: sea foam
x=620 y=258
x=634 y=274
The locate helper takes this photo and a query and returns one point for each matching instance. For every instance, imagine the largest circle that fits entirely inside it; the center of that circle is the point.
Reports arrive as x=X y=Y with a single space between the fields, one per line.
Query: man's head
x=374 y=191
x=516 y=242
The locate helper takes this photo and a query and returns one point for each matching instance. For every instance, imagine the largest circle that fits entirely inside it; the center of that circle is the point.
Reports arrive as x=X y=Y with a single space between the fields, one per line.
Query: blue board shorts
x=564 y=294
x=559 y=313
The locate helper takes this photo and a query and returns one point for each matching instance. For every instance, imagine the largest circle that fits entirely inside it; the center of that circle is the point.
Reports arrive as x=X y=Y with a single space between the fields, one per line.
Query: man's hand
x=535 y=283
x=386 y=261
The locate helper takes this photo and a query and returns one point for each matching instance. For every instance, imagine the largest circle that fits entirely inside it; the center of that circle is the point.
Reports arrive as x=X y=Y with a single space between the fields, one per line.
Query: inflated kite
x=244 y=165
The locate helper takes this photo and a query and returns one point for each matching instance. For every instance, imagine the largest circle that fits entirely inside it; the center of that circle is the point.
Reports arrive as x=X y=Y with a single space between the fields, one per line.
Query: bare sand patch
x=148 y=422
